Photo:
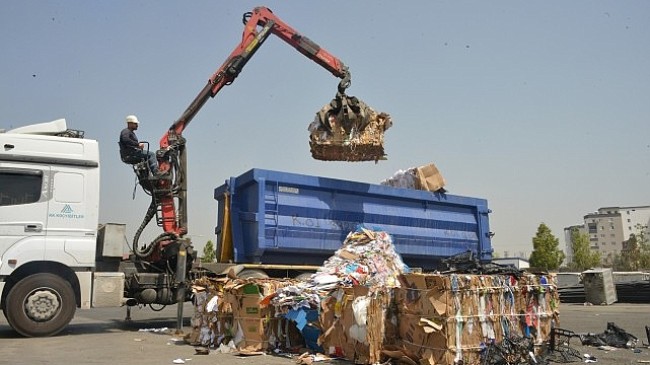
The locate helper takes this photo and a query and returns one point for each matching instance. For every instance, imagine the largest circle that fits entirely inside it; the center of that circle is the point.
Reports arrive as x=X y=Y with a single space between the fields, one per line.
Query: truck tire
x=40 y=305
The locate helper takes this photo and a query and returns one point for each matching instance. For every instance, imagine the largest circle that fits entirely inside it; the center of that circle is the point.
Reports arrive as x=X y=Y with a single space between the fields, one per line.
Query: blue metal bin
x=286 y=218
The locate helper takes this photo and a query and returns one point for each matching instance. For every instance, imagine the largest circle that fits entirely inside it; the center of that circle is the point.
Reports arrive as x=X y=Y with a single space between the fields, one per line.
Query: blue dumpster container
x=287 y=218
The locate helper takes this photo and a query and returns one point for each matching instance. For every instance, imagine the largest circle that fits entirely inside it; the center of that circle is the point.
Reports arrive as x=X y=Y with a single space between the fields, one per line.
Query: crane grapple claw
x=347 y=129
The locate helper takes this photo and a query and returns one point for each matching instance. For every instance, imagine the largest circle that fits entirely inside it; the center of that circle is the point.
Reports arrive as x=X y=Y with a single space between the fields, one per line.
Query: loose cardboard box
x=429 y=178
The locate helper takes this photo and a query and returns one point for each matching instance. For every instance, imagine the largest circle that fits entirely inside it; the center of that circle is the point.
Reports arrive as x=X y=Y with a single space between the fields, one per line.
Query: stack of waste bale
x=212 y=319
x=253 y=321
x=364 y=305
x=233 y=312
x=449 y=319
x=358 y=323
x=347 y=129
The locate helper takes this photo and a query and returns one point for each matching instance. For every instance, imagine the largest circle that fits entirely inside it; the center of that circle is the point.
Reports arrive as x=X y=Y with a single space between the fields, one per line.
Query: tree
x=583 y=256
x=546 y=253
x=635 y=254
x=209 y=254
x=644 y=246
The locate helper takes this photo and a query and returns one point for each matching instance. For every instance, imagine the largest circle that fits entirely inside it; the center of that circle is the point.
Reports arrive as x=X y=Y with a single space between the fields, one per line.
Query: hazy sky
x=542 y=108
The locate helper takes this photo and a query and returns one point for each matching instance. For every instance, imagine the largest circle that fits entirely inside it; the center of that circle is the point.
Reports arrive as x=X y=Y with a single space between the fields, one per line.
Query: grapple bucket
x=347 y=129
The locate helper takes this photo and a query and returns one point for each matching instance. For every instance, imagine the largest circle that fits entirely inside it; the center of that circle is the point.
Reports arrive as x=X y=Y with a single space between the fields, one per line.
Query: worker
x=132 y=150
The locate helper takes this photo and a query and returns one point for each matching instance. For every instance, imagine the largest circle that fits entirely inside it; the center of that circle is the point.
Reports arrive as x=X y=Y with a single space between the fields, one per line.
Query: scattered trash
x=308 y=359
x=513 y=350
x=178 y=361
x=251 y=353
x=154 y=330
x=590 y=358
x=367 y=258
x=405 y=179
x=607 y=348
x=201 y=351
x=613 y=336
x=560 y=349
x=226 y=349
x=426 y=177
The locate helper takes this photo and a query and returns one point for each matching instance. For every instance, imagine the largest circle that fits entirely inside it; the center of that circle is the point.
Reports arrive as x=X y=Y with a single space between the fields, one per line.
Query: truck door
x=72 y=216
x=24 y=200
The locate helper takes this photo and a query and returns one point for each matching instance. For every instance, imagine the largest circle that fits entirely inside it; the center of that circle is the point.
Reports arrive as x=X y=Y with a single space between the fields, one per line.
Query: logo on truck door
x=67 y=212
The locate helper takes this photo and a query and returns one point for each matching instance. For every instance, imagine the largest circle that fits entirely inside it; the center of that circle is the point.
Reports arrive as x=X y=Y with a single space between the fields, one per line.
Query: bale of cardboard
x=357 y=324
x=235 y=310
x=256 y=328
x=347 y=129
x=357 y=319
x=446 y=319
x=212 y=319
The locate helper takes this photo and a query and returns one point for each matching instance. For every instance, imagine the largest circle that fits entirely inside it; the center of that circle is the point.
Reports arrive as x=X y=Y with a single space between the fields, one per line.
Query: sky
x=542 y=108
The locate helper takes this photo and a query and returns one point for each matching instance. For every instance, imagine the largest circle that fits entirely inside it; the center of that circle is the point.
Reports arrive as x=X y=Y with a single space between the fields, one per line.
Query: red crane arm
x=259 y=24
x=252 y=39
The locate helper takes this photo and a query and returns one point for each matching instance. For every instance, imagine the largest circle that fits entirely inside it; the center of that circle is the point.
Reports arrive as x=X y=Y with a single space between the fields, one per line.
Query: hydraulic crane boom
x=169 y=193
x=252 y=40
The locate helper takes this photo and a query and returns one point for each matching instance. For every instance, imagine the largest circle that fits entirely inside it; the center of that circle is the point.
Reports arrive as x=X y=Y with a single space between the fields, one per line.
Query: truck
x=54 y=255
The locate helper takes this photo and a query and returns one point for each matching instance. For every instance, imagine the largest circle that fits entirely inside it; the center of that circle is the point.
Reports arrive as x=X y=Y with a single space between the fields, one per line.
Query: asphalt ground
x=102 y=336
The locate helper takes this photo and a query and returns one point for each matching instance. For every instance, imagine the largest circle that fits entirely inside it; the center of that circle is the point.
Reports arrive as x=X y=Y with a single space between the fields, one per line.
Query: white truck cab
x=49 y=200
x=49 y=204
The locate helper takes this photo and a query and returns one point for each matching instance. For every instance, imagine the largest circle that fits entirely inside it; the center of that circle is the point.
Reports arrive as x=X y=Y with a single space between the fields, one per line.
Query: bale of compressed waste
x=446 y=319
x=347 y=129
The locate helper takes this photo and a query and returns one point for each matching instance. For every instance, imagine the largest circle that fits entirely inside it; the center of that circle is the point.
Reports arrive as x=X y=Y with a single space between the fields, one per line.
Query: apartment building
x=608 y=228
x=568 y=249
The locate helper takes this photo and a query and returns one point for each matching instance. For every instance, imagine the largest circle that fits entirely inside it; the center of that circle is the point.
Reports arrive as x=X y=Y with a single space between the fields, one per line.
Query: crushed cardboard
x=334 y=136
x=234 y=310
x=470 y=311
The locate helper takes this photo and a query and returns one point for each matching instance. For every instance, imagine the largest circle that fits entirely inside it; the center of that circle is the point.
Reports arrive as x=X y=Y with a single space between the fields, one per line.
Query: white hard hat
x=132 y=119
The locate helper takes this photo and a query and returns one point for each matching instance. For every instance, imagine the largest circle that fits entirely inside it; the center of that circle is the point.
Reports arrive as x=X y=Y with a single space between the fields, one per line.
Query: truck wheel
x=40 y=305
x=252 y=274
